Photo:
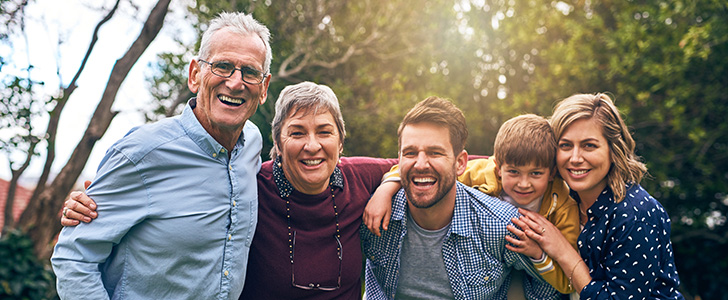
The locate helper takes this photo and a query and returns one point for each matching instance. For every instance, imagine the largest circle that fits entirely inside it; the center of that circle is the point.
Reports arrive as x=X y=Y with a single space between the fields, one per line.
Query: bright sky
x=72 y=22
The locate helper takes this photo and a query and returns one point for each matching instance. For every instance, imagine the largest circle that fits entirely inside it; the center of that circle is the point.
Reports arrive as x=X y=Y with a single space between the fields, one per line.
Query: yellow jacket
x=556 y=206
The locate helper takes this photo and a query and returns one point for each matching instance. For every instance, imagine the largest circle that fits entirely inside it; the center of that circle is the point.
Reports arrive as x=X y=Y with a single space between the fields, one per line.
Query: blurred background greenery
x=663 y=62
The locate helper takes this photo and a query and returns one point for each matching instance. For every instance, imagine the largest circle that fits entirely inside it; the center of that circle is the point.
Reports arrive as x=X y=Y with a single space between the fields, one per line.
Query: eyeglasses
x=226 y=69
x=316 y=286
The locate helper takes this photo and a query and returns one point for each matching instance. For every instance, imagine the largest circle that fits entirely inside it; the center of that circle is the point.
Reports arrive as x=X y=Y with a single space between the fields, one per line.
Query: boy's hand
x=523 y=244
x=378 y=211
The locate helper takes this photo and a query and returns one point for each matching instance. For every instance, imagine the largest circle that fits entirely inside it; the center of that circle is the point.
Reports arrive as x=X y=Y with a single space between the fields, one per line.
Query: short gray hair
x=241 y=23
x=309 y=97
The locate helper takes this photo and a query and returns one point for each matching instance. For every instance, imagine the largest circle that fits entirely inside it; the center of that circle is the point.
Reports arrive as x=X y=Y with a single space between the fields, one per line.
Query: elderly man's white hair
x=241 y=23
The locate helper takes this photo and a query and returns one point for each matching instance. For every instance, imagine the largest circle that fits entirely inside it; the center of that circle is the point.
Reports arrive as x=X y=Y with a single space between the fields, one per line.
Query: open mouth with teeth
x=578 y=172
x=231 y=101
x=312 y=162
x=423 y=181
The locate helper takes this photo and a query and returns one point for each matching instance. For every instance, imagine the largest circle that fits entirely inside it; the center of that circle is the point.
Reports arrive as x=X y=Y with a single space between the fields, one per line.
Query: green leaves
x=21 y=275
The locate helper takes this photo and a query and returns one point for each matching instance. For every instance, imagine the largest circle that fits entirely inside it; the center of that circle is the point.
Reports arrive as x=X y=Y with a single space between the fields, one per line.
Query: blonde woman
x=624 y=247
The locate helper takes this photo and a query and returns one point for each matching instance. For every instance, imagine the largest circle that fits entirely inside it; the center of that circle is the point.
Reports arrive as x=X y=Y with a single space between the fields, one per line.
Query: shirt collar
x=284 y=186
x=604 y=202
x=460 y=223
x=198 y=134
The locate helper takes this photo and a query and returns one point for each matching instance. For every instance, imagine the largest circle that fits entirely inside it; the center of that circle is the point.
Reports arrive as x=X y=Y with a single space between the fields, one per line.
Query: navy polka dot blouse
x=627 y=247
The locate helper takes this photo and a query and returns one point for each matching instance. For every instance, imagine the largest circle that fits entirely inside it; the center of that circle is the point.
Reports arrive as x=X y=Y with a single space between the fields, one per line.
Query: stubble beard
x=444 y=186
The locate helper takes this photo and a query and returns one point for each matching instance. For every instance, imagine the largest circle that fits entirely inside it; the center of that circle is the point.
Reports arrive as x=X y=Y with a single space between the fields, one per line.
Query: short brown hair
x=441 y=112
x=525 y=139
x=626 y=165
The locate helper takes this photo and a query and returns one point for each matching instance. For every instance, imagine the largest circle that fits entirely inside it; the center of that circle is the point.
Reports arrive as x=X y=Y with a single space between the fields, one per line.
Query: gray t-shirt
x=422 y=273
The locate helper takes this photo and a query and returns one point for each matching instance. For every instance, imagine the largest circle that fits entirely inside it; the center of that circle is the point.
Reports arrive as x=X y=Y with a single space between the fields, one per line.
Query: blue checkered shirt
x=477 y=261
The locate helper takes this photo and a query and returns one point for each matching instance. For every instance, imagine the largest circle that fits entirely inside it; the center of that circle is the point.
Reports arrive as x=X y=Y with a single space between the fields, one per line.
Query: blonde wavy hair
x=626 y=167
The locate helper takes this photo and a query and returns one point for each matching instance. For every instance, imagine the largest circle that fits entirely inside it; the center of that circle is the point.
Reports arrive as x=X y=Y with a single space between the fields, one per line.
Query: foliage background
x=664 y=63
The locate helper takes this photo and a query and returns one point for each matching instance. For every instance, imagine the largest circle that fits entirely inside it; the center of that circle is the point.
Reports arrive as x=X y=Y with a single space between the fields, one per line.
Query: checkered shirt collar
x=460 y=223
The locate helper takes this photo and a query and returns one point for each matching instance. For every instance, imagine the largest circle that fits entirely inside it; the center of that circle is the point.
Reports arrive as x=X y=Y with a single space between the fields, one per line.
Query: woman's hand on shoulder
x=543 y=232
x=78 y=208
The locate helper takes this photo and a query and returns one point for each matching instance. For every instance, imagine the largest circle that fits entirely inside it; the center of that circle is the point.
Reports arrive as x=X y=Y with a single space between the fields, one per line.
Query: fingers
x=372 y=223
x=514 y=248
x=68 y=222
x=517 y=232
x=387 y=218
x=83 y=199
x=78 y=211
x=534 y=224
x=374 y=229
x=73 y=215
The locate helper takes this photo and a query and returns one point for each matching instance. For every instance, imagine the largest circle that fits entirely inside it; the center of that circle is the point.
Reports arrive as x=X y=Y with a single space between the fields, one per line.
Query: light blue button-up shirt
x=177 y=213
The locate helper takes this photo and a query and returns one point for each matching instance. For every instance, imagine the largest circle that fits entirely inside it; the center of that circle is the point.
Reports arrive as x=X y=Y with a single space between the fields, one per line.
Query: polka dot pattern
x=627 y=248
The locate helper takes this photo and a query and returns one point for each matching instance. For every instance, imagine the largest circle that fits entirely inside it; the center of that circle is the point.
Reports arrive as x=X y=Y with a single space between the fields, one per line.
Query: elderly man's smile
x=231 y=101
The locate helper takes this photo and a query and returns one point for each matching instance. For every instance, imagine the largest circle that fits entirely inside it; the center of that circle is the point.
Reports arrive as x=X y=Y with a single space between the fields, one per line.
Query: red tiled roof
x=22 y=196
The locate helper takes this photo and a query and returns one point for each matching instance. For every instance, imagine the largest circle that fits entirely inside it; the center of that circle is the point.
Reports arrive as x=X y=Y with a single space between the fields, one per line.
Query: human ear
x=193 y=82
x=461 y=162
x=264 y=91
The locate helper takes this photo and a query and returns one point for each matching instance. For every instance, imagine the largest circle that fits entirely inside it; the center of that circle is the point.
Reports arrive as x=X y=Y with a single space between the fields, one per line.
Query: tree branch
x=41 y=215
x=55 y=114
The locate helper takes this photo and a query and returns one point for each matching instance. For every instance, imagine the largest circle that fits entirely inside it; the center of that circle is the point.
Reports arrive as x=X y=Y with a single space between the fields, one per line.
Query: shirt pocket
x=377 y=260
x=482 y=277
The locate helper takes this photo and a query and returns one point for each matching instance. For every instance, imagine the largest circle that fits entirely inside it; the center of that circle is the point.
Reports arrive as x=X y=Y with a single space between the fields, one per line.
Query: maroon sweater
x=312 y=219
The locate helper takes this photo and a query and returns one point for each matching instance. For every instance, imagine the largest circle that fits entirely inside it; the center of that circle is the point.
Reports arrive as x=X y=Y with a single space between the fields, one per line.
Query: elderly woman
x=624 y=247
x=311 y=200
x=307 y=241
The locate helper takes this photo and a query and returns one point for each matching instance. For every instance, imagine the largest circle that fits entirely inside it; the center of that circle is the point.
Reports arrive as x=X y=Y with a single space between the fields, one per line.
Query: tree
x=664 y=64
x=40 y=219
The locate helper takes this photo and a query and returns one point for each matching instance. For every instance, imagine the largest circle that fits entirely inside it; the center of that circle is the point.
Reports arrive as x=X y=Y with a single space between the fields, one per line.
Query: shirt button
x=226 y=273
x=486 y=278
x=235 y=203
x=230 y=237
x=222 y=150
x=214 y=155
x=230 y=167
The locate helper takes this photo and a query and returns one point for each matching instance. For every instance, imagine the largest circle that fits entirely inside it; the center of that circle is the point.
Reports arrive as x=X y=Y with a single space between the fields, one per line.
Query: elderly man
x=164 y=235
x=445 y=240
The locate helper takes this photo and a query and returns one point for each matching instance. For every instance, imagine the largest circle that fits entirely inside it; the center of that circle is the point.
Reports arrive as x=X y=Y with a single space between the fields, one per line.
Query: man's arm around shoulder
x=81 y=250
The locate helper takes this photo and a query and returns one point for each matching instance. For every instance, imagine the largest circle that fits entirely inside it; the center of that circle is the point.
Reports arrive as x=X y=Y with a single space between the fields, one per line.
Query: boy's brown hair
x=525 y=139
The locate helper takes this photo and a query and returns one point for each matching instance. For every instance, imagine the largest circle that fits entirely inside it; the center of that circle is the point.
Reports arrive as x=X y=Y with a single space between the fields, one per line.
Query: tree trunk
x=9 y=221
x=40 y=219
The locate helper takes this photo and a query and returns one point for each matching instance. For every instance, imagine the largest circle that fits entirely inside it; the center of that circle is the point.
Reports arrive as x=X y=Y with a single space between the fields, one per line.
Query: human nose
x=421 y=162
x=523 y=181
x=575 y=155
x=235 y=81
x=312 y=144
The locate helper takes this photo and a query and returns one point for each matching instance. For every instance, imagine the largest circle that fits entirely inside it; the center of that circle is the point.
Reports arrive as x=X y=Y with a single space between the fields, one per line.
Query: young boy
x=521 y=172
